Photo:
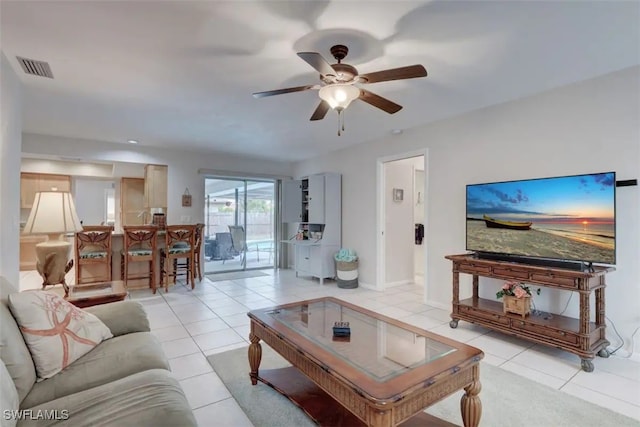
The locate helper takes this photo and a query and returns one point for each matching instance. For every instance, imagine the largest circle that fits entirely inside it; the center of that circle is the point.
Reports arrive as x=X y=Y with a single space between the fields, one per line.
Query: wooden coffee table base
x=321 y=407
x=90 y=294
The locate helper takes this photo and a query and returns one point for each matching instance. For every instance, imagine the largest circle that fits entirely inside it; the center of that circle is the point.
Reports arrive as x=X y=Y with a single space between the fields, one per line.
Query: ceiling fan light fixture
x=339 y=95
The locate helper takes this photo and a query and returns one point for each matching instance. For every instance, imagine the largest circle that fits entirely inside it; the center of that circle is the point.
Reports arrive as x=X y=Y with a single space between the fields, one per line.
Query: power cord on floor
x=613 y=325
x=622 y=340
x=548 y=316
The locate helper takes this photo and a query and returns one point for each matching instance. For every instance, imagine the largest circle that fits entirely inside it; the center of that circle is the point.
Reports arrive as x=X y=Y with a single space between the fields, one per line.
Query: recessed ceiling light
x=132 y=141
x=396 y=131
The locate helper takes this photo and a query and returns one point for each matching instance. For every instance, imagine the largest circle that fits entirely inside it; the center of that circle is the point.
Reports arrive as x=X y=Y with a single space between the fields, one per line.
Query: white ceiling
x=180 y=74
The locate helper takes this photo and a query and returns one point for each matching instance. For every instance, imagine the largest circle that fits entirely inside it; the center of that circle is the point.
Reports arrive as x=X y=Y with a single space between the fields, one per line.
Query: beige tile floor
x=212 y=318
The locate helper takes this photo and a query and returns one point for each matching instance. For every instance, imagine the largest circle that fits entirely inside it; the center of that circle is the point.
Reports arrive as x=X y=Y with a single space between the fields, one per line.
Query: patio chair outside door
x=239 y=241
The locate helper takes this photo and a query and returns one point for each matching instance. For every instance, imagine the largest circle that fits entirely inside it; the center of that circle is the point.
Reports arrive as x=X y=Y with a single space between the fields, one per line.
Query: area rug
x=218 y=277
x=507 y=399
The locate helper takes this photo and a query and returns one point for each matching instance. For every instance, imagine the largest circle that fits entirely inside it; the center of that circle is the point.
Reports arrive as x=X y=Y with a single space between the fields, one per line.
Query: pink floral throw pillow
x=56 y=332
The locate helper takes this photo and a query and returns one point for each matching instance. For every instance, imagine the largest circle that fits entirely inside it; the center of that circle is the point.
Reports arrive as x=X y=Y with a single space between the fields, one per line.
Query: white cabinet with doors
x=315 y=259
x=314 y=203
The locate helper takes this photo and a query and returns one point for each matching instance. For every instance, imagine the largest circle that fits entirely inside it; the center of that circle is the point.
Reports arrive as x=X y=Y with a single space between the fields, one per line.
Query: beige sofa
x=124 y=381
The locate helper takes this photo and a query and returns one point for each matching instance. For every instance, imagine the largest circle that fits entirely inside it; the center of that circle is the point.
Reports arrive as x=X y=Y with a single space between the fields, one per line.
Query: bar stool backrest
x=93 y=246
x=140 y=242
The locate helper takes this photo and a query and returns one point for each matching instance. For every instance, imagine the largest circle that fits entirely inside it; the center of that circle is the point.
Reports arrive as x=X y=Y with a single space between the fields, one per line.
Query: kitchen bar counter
x=135 y=269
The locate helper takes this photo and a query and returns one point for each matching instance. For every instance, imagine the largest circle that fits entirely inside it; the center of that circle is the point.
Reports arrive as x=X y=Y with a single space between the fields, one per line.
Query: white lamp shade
x=339 y=95
x=52 y=212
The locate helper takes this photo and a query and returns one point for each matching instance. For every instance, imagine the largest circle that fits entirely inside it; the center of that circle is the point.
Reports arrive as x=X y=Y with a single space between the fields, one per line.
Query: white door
x=303 y=259
x=291 y=201
x=316 y=199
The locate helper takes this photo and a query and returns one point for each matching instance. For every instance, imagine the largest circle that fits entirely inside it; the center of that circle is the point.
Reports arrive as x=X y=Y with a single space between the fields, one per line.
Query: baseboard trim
x=367 y=286
x=439 y=305
x=398 y=283
x=635 y=357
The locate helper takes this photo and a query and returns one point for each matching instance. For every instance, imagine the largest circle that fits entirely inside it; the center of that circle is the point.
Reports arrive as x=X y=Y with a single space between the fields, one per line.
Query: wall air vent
x=36 y=68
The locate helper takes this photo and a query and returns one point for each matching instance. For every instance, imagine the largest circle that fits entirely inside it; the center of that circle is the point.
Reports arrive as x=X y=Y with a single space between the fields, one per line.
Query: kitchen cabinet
x=132 y=209
x=31 y=183
x=155 y=186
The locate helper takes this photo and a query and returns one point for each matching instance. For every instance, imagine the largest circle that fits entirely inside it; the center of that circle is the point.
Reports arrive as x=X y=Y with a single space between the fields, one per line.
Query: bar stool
x=197 y=251
x=179 y=244
x=93 y=247
x=140 y=246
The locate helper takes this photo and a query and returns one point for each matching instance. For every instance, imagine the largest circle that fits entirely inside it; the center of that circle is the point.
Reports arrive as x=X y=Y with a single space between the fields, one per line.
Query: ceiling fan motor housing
x=345 y=73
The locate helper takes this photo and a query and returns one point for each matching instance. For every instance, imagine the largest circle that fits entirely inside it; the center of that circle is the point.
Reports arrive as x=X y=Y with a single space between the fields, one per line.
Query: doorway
x=401 y=243
x=240 y=226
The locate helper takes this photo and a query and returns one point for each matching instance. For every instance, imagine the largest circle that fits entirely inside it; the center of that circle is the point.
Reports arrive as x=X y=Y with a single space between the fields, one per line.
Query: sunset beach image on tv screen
x=568 y=218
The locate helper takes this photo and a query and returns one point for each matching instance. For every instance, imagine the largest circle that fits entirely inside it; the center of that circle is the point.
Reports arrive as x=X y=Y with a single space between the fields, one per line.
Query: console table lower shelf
x=549 y=329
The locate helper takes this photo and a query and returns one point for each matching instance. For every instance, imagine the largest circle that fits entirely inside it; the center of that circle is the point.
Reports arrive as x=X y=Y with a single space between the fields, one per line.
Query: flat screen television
x=569 y=219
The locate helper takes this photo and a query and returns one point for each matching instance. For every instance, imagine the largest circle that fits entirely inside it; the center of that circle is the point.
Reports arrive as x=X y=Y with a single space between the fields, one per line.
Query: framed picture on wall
x=186 y=198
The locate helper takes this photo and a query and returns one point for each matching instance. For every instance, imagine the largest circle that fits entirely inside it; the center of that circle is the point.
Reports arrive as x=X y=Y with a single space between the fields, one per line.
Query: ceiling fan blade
x=410 y=72
x=321 y=111
x=377 y=101
x=287 y=90
x=318 y=62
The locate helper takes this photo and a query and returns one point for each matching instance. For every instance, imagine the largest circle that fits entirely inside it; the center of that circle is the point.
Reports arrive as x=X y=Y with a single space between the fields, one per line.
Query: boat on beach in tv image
x=567 y=218
x=510 y=225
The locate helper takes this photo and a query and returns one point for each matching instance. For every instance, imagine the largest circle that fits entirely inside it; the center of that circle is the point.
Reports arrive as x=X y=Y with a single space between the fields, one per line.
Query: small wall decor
x=186 y=198
x=398 y=194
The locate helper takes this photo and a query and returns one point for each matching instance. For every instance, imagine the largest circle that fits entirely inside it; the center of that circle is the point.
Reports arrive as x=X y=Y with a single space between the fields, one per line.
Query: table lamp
x=53 y=213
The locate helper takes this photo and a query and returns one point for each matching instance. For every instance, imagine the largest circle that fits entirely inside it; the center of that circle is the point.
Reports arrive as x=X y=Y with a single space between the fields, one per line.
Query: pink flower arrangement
x=516 y=289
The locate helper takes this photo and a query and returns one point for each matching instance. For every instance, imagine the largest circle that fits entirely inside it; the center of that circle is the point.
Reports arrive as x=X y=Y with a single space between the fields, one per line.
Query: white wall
x=91 y=192
x=591 y=126
x=183 y=166
x=398 y=230
x=11 y=134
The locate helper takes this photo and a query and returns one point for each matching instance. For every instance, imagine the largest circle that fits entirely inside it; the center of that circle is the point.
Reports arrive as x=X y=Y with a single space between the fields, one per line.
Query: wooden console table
x=579 y=336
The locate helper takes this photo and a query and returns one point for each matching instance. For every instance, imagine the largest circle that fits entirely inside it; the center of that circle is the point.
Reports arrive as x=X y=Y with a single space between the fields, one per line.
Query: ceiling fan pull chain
x=339 y=120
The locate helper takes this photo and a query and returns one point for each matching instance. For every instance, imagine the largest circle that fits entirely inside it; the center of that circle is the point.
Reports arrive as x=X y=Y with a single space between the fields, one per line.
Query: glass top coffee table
x=385 y=373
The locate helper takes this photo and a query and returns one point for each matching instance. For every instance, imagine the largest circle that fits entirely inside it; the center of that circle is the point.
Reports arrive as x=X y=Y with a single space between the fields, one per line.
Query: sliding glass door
x=239 y=224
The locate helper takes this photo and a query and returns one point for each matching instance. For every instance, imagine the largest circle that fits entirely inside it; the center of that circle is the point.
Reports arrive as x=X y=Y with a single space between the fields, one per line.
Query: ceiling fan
x=339 y=83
